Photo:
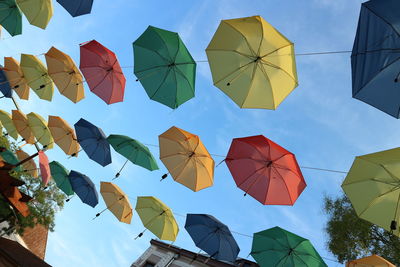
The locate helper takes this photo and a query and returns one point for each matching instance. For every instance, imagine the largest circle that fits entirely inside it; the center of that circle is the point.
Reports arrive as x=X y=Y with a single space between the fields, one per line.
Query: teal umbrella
x=10 y=158
x=60 y=176
x=164 y=67
x=10 y=17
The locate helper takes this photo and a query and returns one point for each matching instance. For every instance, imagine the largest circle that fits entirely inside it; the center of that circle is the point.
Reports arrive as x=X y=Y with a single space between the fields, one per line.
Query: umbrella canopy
x=164 y=67
x=373 y=187
x=16 y=77
x=10 y=17
x=186 y=159
x=84 y=188
x=40 y=130
x=10 y=158
x=252 y=62
x=375 y=60
x=64 y=135
x=22 y=125
x=4 y=84
x=37 y=76
x=93 y=141
x=44 y=167
x=65 y=74
x=212 y=236
x=265 y=170
x=157 y=218
x=117 y=201
x=29 y=166
x=60 y=176
x=38 y=12
x=133 y=150
x=102 y=72
x=8 y=124
x=373 y=260
x=77 y=7
x=278 y=247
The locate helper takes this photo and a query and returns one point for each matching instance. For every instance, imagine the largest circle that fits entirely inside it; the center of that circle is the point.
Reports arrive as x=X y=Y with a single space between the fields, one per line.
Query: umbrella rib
x=244 y=37
x=162 y=83
x=376 y=198
x=156 y=52
x=182 y=74
x=382 y=19
x=284 y=182
x=251 y=82
x=270 y=53
x=284 y=71
x=250 y=175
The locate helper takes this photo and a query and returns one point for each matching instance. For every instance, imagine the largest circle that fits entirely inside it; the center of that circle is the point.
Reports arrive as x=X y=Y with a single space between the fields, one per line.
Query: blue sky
x=319 y=122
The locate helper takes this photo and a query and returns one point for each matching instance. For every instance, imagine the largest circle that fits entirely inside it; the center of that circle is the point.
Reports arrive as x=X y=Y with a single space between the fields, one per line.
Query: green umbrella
x=10 y=158
x=10 y=17
x=60 y=176
x=164 y=67
x=278 y=247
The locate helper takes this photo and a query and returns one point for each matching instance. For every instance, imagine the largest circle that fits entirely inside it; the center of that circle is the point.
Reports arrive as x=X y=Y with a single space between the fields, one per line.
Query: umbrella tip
x=67 y=200
x=117 y=175
x=245 y=194
x=137 y=80
x=228 y=84
x=396 y=80
x=164 y=176
x=393 y=225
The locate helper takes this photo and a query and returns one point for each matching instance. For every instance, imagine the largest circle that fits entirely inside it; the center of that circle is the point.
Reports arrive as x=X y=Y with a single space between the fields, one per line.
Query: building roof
x=36 y=240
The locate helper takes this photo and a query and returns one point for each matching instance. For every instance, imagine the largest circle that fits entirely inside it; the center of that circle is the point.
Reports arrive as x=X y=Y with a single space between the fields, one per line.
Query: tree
x=350 y=237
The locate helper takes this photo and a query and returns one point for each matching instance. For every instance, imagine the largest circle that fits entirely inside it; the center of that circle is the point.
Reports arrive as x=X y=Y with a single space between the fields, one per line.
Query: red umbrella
x=44 y=167
x=102 y=72
x=265 y=170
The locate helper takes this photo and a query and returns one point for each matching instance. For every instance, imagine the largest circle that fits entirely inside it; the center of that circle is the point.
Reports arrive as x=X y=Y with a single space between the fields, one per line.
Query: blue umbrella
x=375 y=57
x=77 y=7
x=93 y=141
x=212 y=236
x=84 y=188
x=4 y=84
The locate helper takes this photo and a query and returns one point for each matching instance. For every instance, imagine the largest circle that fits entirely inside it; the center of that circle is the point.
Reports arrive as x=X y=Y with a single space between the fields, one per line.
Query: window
x=149 y=264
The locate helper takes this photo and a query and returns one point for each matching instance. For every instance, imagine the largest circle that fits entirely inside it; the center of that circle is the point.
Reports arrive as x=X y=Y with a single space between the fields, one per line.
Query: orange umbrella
x=370 y=261
x=64 y=135
x=21 y=124
x=16 y=77
x=29 y=166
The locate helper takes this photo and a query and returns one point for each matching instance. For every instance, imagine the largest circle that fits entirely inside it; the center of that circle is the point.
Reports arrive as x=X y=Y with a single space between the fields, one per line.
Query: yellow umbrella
x=38 y=12
x=186 y=159
x=8 y=124
x=16 y=78
x=37 y=76
x=65 y=74
x=64 y=135
x=30 y=165
x=21 y=124
x=252 y=62
x=117 y=202
x=157 y=218
x=40 y=129
x=370 y=261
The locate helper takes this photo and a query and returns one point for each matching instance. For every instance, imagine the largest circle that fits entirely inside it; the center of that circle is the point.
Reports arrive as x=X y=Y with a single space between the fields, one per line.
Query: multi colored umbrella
x=186 y=159
x=38 y=12
x=65 y=74
x=164 y=67
x=10 y=17
x=102 y=72
x=117 y=202
x=84 y=188
x=4 y=84
x=37 y=76
x=157 y=218
x=16 y=77
x=373 y=187
x=22 y=125
x=77 y=7
x=252 y=62
x=60 y=176
x=278 y=247
x=44 y=167
x=93 y=141
x=265 y=170
x=212 y=236
x=40 y=130
x=29 y=166
x=64 y=135
x=373 y=260
x=8 y=124
x=375 y=57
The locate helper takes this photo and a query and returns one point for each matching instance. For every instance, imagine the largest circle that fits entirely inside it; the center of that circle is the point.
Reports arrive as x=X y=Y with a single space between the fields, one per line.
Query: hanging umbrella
x=212 y=236
x=4 y=84
x=375 y=60
x=84 y=188
x=21 y=124
x=186 y=159
x=164 y=67
x=278 y=247
x=265 y=170
x=8 y=124
x=65 y=74
x=40 y=130
x=64 y=135
x=10 y=158
x=77 y=7
x=16 y=77
x=29 y=166
x=37 y=76
x=252 y=63
x=38 y=12
x=44 y=167
x=102 y=72
x=60 y=176
x=373 y=260
x=10 y=17
x=157 y=218
x=93 y=141
x=117 y=202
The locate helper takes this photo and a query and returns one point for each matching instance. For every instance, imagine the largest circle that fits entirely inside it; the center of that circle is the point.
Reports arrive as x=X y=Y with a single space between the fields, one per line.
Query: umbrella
x=77 y=7
x=16 y=77
x=265 y=170
x=21 y=124
x=186 y=159
x=157 y=218
x=65 y=74
x=164 y=67
x=278 y=247
x=44 y=167
x=102 y=72
x=10 y=158
x=252 y=62
x=117 y=202
x=38 y=12
x=212 y=236
x=4 y=84
x=373 y=187
x=373 y=260
x=40 y=130
x=93 y=141
x=60 y=176
x=29 y=166
x=37 y=76
x=84 y=188
x=64 y=135
x=375 y=57
x=10 y=17
x=8 y=124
